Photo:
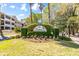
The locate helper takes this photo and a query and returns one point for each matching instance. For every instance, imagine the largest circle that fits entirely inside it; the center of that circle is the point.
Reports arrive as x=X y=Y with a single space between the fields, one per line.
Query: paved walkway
x=7 y=36
x=75 y=39
x=3 y=38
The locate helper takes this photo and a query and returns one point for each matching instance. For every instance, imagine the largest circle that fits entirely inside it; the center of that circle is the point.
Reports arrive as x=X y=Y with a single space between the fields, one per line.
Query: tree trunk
x=74 y=11
x=41 y=16
x=41 y=10
x=77 y=30
x=73 y=32
x=1 y=33
x=31 y=12
x=69 y=31
x=49 y=12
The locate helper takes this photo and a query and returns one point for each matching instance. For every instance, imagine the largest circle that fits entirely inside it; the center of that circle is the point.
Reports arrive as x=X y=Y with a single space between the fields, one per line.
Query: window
x=7 y=22
x=7 y=17
x=2 y=16
x=12 y=28
x=12 y=23
x=2 y=27
x=2 y=22
x=12 y=19
x=7 y=28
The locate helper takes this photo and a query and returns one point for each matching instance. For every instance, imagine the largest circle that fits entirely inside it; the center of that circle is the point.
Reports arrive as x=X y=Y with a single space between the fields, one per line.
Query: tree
x=1 y=33
x=77 y=24
x=72 y=24
x=49 y=12
x=27 y=20
x=31 y=11
x=35 y=18
x=45 y=15
x=73 y=17
x=41 y=8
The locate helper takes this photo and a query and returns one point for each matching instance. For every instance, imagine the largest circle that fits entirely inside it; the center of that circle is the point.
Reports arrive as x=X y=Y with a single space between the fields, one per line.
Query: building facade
x=8 y=22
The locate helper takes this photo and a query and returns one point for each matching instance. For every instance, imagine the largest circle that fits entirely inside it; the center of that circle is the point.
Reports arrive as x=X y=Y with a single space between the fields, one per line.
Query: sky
x=20 y=10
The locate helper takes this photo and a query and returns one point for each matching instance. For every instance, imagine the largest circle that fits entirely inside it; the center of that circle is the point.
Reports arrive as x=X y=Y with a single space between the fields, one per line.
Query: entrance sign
x=40 y=28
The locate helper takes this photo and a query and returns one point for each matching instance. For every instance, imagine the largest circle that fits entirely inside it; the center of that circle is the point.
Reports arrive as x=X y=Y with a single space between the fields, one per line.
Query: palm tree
x=49 y=12
x=41 y=8
x=31 y=11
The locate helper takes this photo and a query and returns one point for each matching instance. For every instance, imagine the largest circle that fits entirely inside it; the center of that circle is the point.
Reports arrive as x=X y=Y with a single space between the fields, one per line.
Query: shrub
x=48 y=27
x=56 y=32
x=17 y=29
x=23 y=31
x=32 y=26
x=64 y=38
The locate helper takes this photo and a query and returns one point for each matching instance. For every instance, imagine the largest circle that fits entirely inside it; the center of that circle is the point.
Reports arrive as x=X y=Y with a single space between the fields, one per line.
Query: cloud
x=3 y=5
x=35 y=6
x=23 y=7
x=20 y=15
x=12 y=6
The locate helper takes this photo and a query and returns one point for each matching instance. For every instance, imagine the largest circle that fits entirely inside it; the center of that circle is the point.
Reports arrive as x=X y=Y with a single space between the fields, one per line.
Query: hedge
x=17 y=29
x=30 y=32
x=23 y=31
x=64 y=38
x=32 y=26
x=56 y=32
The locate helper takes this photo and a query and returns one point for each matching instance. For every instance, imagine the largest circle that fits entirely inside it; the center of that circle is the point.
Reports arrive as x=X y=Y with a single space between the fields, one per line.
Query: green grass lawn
x=11 y=34
x=19 y=47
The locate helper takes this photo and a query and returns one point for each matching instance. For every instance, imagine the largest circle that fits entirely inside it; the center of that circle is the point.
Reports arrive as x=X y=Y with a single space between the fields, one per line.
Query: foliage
x=56 y=32
x=23 y=31
x=64 y=15
x=61 y=15
x=64 y=38
x=1 y=33
x=39 y=33
x=35 y=18
x=32 y=26
x=17 y=29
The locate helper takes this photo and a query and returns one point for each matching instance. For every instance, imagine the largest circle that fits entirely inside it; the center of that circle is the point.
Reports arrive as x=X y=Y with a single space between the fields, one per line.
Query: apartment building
x=8 y=22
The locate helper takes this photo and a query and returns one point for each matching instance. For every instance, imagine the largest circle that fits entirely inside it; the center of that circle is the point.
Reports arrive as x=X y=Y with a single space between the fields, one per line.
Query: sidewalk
x=3 y=38
x=75 y=39
x=8 y=36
